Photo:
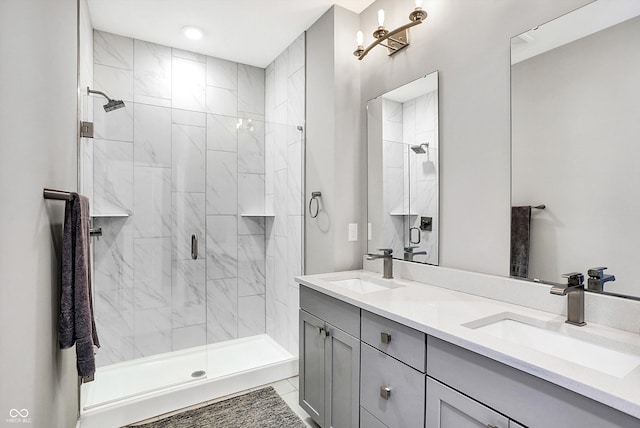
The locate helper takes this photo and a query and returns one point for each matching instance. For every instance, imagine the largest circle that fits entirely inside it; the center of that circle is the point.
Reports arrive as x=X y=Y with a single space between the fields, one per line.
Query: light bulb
x=359 y=38
x=381 y=18
x=418 y=4
x=193 y=33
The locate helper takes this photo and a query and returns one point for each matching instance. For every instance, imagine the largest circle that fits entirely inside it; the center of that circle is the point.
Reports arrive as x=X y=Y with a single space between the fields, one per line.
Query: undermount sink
x=366 y=285
x=555 y=338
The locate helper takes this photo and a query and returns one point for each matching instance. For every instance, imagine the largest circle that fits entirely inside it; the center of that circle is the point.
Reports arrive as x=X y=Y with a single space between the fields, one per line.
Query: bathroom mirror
x=575 y=146
x=402 y=132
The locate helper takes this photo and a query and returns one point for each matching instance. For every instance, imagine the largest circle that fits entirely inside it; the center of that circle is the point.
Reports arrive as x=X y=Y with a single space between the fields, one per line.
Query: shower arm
x=91 y=91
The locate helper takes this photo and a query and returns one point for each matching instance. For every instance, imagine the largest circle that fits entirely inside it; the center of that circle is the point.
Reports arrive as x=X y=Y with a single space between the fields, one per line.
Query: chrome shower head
x=421 y=149
x=111 y=103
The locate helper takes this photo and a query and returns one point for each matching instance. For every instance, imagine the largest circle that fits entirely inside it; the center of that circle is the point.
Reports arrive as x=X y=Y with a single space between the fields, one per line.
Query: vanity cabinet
x=329 y=360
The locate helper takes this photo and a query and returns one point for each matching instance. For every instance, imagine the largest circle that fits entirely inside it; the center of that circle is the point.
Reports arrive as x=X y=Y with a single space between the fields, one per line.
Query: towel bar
x=56 y=194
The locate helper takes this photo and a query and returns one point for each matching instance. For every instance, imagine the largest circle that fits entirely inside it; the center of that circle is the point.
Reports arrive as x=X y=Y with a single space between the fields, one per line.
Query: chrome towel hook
x=314 y=195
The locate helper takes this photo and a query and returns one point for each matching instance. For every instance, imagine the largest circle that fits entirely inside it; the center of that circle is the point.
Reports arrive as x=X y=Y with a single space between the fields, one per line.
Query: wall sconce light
x=397 y=39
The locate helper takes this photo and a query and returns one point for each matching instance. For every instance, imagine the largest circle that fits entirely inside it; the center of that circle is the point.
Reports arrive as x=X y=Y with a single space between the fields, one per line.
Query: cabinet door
x=342 y=379
x=312 y=367
x=447 y=408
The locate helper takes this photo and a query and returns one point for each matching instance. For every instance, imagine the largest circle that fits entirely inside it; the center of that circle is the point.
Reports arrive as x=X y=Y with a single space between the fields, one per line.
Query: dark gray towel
x=76 y=323
x=520 y=234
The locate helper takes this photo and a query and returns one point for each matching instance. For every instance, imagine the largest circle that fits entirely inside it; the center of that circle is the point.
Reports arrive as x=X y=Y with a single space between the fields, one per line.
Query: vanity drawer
x=336 y=312
x=367 y=420
x=404 y=406
x=399 y=341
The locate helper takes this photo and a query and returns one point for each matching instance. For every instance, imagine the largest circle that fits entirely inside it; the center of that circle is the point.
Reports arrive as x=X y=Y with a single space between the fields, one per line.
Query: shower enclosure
x=197 y=187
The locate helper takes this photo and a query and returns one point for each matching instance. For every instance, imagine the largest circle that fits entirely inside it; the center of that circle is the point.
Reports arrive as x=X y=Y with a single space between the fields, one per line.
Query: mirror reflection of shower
x=421 y=149
x=111 y=103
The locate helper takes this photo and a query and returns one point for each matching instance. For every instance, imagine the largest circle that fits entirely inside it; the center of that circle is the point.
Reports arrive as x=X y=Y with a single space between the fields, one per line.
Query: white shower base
x=136 y=390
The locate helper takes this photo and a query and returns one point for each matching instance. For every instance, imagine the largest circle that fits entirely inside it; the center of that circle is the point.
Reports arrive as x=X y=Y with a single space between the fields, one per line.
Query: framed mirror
x=402 y=134
x=575 y=120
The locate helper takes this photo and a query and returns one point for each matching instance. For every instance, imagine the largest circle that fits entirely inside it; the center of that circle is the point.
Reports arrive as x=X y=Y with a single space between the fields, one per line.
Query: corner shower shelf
x=257 y=215
x=402 y=214
x=101 y=215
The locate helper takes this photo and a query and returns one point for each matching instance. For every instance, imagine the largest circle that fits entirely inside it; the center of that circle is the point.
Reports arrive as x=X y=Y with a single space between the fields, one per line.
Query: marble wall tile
x=222 y=133
x=113 y=256
x=222 y=73
x=294 y=247
x=222 y=310
x=189 y=337
x=393 y=154
x=269 y=93
x=251 y=148
x=294 y=179
x=152 y=332
x=251 y=316
x=192 y=56
x=277 y=322
x=295 y=98
x=188 y=158
x=222 y=246
x=188 y=117
x=280 y=147
x=117 y=83
x=222 y=182
x=152 y=135
x=409 y=123
x=250 y=89
x=251 y=225
x=296 y=54
x=112 y=50
x=188 y=296
x=251 y=266
x=281 y=70
x=152 y=272
x=280 y=204
x=114 y=325
x=188 y=215
x=152 y=72
x=86 y=182
x=281 y=269
x=114 y=125
x=222 y=101
x=250 y=193
x=188 y=84
x=112 y=176
x=269 y=158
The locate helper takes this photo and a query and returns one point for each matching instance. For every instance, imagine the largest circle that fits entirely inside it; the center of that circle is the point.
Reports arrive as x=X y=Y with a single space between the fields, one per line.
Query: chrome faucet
x=388 y=261
x=574 y=290
x=409 y=253
x=597 y=279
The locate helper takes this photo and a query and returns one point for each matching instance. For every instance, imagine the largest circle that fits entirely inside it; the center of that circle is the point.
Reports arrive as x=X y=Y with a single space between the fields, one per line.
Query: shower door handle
x=194 y=247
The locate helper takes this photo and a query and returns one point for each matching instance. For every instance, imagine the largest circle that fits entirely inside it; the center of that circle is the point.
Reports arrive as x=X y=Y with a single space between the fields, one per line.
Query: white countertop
x=441 y=313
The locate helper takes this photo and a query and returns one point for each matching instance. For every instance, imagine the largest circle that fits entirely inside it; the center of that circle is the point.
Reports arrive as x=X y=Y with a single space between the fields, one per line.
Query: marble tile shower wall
x=285 y=111
x=188 y=155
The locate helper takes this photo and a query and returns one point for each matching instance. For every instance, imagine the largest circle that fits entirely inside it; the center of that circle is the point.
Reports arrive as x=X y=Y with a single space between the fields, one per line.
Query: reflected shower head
x=421 y=149
x=111 y=103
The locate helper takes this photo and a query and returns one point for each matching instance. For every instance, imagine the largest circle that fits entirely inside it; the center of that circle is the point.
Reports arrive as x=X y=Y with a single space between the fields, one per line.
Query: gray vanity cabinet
x=329 y=360
x=447 y=408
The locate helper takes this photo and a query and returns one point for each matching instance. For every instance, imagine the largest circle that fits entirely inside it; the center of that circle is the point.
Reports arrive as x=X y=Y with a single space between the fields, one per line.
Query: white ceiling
x=251 y=32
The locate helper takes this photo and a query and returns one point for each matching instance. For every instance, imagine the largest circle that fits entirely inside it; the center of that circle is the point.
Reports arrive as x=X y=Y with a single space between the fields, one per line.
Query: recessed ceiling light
x=193 y=33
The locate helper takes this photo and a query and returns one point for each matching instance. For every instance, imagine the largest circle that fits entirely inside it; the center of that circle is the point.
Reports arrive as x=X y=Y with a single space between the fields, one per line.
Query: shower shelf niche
x=257 y=215
x=102 y=215
x=403 y=214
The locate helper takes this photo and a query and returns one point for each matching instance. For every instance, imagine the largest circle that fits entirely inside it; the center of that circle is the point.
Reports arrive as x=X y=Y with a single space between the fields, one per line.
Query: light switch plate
x=353 y=232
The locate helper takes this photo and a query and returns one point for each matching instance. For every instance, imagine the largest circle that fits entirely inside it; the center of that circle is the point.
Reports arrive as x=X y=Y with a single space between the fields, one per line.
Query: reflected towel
x=76 y=323
x=520 y=233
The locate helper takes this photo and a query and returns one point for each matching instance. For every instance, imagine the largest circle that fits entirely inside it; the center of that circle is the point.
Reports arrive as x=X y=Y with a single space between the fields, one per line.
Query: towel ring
x=314 y=195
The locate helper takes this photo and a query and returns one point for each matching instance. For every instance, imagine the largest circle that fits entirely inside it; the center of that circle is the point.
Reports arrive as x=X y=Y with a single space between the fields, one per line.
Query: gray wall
x=38 y=87
x=335 y=153
x=468 y=42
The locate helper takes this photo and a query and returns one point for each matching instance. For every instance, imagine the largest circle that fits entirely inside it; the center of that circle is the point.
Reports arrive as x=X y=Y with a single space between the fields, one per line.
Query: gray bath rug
x=258 y=409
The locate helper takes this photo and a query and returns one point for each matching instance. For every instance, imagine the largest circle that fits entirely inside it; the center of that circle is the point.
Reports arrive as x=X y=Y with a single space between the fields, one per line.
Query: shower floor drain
x=198 y=373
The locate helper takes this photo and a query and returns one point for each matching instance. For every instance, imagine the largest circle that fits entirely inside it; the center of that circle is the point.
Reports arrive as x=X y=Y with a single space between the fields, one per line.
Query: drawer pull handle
x=385 y=337
x=319 y=331
x=385 y=392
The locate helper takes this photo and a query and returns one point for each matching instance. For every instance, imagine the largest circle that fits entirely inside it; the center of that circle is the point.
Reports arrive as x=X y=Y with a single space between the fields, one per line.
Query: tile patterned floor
x=286 y=388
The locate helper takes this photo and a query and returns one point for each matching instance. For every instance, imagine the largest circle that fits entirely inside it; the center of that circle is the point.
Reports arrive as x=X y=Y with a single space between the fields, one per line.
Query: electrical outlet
x=353 y=232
